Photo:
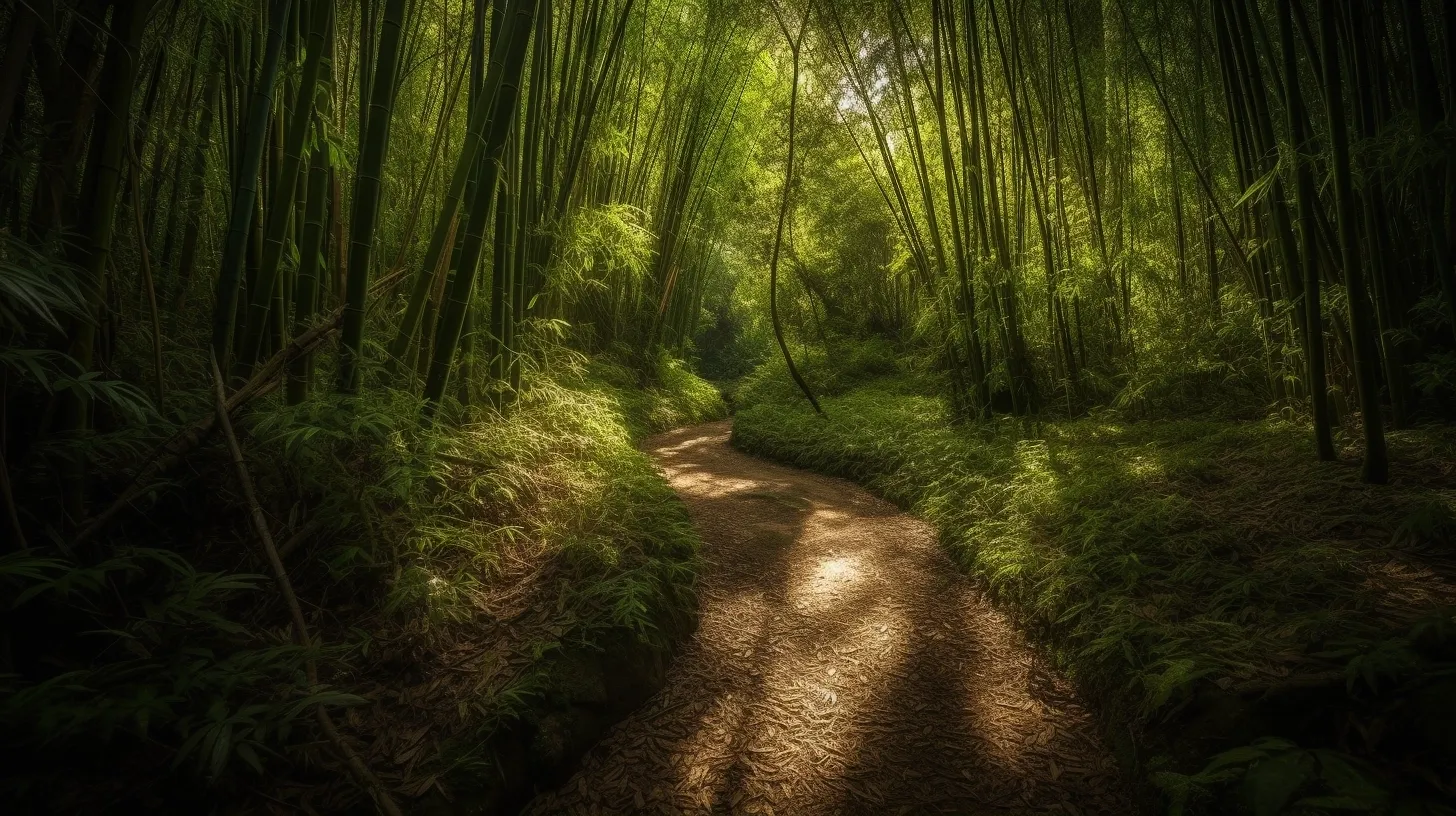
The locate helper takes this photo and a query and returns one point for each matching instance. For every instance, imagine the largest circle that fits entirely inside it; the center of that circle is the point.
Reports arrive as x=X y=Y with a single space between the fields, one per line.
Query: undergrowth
x=678 y=397
x=451 y=573
x=529 y=544
x=1209 y=582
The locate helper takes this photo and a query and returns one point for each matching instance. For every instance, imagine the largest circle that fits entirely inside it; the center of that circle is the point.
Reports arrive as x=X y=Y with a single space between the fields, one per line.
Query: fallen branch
x=172 y=452
x=297 y=539
x=361 y=772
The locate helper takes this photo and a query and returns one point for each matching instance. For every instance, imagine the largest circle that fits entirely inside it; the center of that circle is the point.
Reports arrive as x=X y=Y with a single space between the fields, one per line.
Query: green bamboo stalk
x=197 y=188
x=109 y=144
x=245 y=191
x=368 y=183
x=1368 y=78
x=795 y=42
x=1429 y=115
x=308 y=284
x=1375 y=468
x=280 y=211
x=440 y=237
x=1306 y=200
x=502 y=90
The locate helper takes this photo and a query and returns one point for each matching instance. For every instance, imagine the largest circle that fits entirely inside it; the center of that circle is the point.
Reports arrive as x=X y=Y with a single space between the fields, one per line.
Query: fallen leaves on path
x=842 y=665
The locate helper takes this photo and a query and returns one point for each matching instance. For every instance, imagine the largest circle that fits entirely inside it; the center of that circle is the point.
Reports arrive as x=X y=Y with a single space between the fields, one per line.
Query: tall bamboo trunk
x=795 y=42
x=502 y=90
x=280 y=210
x=1306 y=200
x=109 y=143
x=245 y=192
x=1362 y=324
x=368 y=185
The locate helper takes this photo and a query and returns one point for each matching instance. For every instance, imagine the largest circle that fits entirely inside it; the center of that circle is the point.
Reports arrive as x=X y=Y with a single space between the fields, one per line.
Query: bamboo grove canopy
x=1061 y=203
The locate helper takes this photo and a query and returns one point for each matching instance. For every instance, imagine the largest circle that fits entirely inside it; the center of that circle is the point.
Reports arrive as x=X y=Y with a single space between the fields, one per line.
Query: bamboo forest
x=728 y=406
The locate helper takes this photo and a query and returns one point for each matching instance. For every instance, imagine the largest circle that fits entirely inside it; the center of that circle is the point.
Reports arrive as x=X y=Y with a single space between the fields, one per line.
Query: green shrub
x=674 y=397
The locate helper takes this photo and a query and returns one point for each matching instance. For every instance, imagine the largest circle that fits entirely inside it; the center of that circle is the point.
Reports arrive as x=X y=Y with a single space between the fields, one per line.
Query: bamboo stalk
x=245 y=192
x=148 y=283
x=1375 y=467
x=368 y=182
x=795 y=42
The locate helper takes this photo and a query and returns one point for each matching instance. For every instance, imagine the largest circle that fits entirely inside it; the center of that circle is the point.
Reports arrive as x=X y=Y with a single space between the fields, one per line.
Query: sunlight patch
x=832 y=576
x=708 y=485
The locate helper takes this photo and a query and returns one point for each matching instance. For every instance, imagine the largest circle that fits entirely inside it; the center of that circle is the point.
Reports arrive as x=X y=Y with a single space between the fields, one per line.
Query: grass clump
x=673 y=397
x=1209 y=581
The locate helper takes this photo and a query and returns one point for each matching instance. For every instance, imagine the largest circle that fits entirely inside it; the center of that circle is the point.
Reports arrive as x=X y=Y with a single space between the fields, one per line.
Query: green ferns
x=173 y=670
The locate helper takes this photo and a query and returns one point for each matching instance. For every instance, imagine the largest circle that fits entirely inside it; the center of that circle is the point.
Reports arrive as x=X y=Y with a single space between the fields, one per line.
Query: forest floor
x=843 y=664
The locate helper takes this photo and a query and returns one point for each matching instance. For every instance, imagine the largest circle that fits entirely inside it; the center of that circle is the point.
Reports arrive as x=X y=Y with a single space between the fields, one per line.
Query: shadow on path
x=842 y=665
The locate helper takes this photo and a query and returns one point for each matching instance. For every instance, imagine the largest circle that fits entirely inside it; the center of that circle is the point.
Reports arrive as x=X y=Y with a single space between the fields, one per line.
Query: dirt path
x=843 y=665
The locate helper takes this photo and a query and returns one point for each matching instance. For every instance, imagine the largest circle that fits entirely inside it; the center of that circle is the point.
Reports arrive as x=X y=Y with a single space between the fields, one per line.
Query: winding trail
x=843 y=665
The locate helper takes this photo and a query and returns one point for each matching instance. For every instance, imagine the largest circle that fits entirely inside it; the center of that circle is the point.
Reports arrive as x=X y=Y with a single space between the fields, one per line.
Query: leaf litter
x=944 y=708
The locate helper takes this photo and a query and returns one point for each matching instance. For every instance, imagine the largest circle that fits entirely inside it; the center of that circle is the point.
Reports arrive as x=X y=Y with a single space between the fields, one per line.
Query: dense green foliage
x=1056 y=206
x=422 y=537
x=426 y=535
x=473 y=197
x=1200 y=579
x=1080 y=280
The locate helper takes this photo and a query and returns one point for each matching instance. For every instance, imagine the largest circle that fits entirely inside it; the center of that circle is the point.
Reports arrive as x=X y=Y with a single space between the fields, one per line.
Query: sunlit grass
x=518 y=543
x=554 y=494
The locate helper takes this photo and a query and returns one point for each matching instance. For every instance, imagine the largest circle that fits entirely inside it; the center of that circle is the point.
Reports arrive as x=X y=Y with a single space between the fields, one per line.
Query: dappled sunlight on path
x=842 y=665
